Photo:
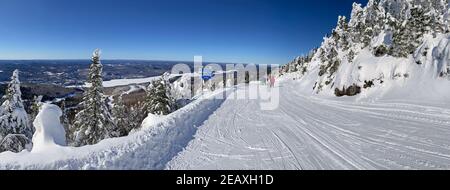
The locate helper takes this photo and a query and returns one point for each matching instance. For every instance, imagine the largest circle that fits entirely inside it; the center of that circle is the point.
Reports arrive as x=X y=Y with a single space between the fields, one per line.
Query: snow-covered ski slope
x=310 y=132
x=305 y=132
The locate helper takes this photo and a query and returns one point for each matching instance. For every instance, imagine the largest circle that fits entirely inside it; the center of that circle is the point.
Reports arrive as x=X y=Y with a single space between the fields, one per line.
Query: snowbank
x=150 y=148
x=49 y=131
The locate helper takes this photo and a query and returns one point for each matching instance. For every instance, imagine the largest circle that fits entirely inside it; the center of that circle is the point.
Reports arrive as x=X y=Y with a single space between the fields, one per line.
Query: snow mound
x=152 y=147
x=151 y=120
x=49 y=131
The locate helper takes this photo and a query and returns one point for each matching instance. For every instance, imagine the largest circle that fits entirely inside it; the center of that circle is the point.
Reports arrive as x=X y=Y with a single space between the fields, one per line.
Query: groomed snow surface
x=305 y=132
x=309 y=132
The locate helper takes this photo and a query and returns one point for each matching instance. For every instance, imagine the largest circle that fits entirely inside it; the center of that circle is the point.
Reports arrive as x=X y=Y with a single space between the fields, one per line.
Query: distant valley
x=74 y=72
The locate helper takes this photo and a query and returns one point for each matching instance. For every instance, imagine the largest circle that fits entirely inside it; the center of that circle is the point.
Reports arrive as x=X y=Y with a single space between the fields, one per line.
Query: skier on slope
x=272 y=81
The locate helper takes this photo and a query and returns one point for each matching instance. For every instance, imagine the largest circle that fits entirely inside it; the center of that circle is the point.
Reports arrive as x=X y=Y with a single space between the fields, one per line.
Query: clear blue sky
x=244 y=31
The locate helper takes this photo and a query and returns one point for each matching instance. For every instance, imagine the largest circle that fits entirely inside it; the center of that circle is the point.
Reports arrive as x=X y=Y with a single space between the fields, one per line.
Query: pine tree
x=93 y=123
x=14 y=120
x=409 y=35
x=398 y=9
x=35 y=107
x=400 y=42
x=65 y=119
x=373 y=21
x=351 y=56
x=329 y=57
x=437 y=9
x=159 y=100
x=137 y=115
x=330 y=63
x=341 y=34
x=121 y=117
x=356 y=23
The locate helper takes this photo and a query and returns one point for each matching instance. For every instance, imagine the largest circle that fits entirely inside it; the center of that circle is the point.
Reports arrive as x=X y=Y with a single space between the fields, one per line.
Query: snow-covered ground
x=126 y=82
x=150 y=148
x=123 y=82
x=310 y=132
x=305 y=132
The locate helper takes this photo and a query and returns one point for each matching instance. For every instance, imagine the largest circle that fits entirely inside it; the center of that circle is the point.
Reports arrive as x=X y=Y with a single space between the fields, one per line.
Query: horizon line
x=123 y=59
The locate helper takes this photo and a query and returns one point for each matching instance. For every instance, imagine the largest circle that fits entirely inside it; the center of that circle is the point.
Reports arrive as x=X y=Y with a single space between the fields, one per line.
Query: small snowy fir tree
x=419 y=24
x=400 y=42
x=93 y=123
x=14 y=120
x=15 y=143
x=121 y=117
x=137 y=115
x=329 y=63
x=65 y=118
x=159 y=100
x=35 y=107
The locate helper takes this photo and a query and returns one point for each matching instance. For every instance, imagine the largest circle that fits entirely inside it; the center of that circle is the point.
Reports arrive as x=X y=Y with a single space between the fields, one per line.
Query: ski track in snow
x=306 y=132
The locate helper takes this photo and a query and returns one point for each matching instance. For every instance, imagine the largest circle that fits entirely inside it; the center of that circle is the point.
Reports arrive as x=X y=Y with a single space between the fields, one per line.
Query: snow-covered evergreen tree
x=13 y=117
x=330 y=62
x=35 y=107
x=159 y=100
x=65 y=119
x=121 y=117
x=400 y=42
x=341 y=34
x=356 y=24
x=93 y=123
x=409 y=34
x=15 y=143
x=137 y=114
x=183 y=90
x=385 y=28
x=373 y=21
x=49 y=131
x=447 y=21
x=436 y=10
